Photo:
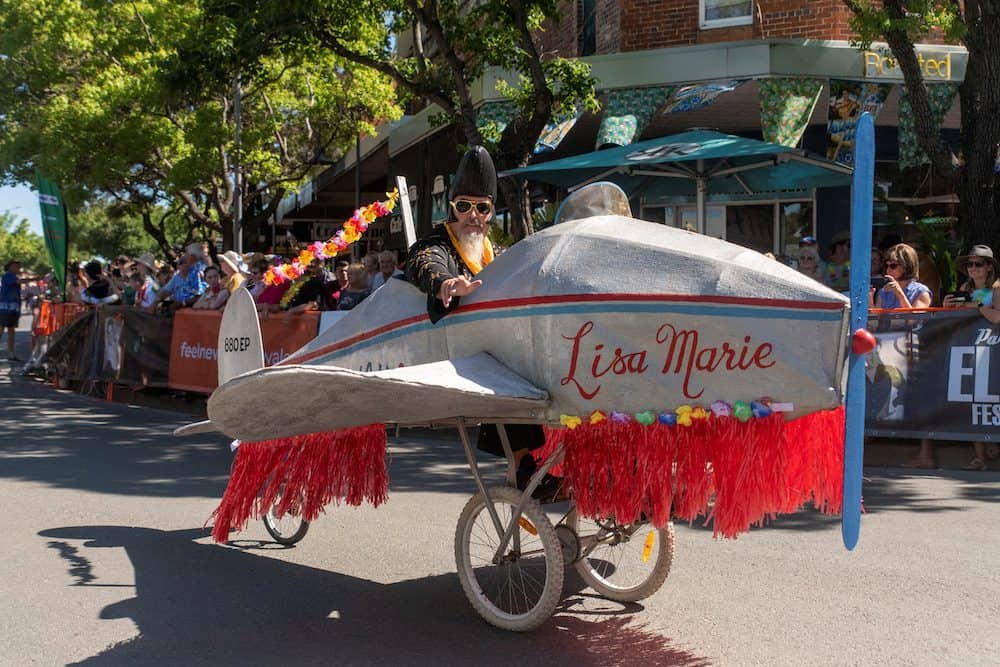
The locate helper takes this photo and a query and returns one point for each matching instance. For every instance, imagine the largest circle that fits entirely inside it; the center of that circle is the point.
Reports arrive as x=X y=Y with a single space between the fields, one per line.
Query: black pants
x=522 y=436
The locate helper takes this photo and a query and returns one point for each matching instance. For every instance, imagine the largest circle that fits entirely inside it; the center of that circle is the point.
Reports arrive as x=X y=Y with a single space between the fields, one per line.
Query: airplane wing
x=196 y=428
x=282 y=401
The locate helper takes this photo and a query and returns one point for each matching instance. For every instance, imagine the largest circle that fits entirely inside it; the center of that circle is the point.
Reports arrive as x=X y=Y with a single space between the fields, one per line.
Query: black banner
x=934 y=375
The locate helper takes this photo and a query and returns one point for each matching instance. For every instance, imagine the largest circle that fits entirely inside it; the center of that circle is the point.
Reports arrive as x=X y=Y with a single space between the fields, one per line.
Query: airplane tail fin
x=241 y=347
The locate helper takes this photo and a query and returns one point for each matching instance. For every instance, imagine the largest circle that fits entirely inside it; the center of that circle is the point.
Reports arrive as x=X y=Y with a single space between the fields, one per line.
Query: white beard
x=472 y=244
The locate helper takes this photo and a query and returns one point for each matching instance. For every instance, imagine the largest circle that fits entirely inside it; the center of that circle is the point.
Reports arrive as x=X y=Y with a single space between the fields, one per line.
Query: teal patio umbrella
x=699 y=164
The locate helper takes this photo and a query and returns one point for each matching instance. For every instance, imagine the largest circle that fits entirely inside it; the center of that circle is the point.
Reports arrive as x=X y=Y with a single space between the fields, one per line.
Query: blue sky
x=23 y=203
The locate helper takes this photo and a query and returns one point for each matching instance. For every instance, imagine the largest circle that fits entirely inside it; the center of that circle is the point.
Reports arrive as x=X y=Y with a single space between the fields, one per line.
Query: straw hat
x=231 y=259
x=147 y=260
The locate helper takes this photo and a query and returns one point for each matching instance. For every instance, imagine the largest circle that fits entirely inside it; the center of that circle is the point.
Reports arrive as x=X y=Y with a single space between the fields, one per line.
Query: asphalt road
x=107 y=562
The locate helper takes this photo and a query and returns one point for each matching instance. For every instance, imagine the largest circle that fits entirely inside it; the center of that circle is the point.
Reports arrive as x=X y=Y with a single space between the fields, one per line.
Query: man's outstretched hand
x=457 y=286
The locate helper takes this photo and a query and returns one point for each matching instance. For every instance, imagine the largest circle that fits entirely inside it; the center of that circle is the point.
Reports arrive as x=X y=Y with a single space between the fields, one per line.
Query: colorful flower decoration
x=760 y=409
x=684 y=415
x=668 y=418
x=570 y=421
x=741 y=410
x=620 y=417
x=721 y=409
x=348 y=234
x=597 y=417
x=647 y=418
x=699 y=412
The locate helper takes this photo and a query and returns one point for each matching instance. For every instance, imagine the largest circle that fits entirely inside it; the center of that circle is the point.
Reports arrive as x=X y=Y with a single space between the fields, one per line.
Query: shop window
x=796 y=224
x=725 y=13
x=751 y=226
x=587 y=38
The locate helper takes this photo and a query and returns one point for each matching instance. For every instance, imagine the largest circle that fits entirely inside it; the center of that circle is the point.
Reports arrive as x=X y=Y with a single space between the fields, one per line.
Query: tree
x=87 y=98
x=976 y=25
x=453 y=44
x=112 y=230
x=17 y=241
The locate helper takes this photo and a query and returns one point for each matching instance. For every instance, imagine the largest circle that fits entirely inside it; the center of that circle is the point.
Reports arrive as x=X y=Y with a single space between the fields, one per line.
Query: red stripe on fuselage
x=569 y=298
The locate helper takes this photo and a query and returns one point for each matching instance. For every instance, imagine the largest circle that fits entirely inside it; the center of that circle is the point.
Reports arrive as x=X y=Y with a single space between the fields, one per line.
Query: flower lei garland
x=685 y=415
x=348 y=234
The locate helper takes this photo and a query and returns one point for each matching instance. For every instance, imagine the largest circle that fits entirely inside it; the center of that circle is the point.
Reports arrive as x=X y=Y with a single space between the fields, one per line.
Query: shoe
x=975 y=464
x=920 y=463
x=549 y=490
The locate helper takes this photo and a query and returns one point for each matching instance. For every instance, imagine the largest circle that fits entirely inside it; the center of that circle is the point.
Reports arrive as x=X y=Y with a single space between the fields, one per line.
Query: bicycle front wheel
x=521 y=589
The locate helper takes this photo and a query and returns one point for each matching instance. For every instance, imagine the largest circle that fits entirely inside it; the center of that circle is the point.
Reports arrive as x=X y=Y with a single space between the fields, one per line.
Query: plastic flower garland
x=685 y=415
x=345 y=236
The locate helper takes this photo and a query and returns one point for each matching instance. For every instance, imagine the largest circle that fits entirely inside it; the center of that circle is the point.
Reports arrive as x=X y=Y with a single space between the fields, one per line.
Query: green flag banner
x=55 y=227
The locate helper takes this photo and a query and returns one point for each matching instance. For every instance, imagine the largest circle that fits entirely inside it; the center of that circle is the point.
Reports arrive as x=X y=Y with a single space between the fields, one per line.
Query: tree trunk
x=157 y=234
x=515 y=194
x=979 y=208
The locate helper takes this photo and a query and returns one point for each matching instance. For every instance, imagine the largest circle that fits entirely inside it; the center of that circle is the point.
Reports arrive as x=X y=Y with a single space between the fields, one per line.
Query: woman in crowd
x=215 y=295
x=233 y=268
x=357 y=287
x=256 y=283
x=980 y=291
x=809 y=263
x=902 y=290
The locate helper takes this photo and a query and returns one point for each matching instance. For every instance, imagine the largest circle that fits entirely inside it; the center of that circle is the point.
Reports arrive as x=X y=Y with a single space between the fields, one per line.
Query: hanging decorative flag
x=627 y=112
x=55 y=227
x=848 y=100
x=699 y=96
x=556 y=131
x=786 y=105
x=492 y=119
x=940 y=97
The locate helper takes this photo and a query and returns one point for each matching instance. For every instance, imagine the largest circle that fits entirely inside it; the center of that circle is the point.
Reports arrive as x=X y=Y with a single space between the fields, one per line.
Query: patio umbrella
x=699 y=164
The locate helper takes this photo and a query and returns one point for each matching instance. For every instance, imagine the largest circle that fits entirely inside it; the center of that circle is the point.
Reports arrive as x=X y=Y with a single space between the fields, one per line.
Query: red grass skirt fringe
x=307 y=472
x=734 y=474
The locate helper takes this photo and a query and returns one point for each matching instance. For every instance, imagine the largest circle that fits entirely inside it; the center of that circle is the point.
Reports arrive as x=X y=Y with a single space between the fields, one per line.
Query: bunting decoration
x=848 y=100
x=786 y=105
x=627 y=112
x=941 y=97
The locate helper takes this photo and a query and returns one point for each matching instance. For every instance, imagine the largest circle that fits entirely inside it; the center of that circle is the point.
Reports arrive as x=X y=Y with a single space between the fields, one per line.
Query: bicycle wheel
x=625 y=563
x=521 y=591
x=286 y=529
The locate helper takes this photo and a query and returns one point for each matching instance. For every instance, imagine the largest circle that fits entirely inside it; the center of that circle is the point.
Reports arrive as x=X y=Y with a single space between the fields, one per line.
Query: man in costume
x=444 y=265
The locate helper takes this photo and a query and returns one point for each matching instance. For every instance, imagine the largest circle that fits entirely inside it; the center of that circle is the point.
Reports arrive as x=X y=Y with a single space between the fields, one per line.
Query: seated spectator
x=306 y=292
x=902 y=290
x=188 y=283
x=357 y=287
x=387 y=269
x=981 y=291
x=215 y=295
x=100 y=291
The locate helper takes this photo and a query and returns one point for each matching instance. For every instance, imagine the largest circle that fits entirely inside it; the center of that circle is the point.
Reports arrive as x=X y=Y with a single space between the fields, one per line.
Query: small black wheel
x=286 y=529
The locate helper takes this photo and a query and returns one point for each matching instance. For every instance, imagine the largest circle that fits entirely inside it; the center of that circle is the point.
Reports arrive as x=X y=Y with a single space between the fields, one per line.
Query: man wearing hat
x=189 y=281
x=10 y=304
x=444 y=265
x=445 y=262
x=145 y=295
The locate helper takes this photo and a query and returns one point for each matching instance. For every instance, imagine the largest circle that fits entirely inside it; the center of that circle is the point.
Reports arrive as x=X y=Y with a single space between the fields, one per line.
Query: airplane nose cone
x=862 y=342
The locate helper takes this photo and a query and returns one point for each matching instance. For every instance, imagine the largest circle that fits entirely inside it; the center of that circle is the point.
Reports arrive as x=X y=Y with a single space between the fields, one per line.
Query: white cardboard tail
x=241 y=347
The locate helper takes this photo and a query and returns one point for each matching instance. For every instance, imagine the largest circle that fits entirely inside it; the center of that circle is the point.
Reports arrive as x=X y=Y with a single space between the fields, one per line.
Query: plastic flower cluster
x=684 y=415
x=345 y=236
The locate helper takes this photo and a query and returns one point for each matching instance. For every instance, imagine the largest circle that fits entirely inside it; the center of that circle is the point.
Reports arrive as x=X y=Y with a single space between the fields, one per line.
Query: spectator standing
x=838 y=269
x=100 y=291
x=189 y=282
x=981 y=291
x=10 y=304
x=335 y=288
x=902 y=290
x=215 y=295
x=306 y=292
x=387 y=270
x=809 y=263
x=357 y=287
x=145 y=295
x=234 y=269
x=256 y=283
x=371 y=266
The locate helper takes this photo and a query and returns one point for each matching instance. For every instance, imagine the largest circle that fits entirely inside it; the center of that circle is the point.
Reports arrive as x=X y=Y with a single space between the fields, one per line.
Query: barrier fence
x=933 y=374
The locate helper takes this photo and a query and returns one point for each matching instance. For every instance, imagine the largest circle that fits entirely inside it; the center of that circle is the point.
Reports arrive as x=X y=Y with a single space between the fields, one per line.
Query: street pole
x=357 y=189
x=237 y=169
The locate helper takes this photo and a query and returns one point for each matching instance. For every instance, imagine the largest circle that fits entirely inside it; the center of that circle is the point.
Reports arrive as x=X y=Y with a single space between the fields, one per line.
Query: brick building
x=652 y=52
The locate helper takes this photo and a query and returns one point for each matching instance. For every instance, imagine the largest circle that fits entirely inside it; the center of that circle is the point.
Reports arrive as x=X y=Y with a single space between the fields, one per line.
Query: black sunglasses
x=465 y=205
x=976 y=265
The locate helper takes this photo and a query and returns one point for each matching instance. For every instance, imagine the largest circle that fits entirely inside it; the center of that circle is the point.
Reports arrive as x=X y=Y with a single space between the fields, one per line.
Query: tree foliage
x=976 y=25
x=87 y=96
x=17 y=241
x=454 y=42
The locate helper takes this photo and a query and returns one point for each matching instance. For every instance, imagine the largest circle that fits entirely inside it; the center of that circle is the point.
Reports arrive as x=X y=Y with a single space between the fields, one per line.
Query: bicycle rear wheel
x=286 y=529
x=625 y=563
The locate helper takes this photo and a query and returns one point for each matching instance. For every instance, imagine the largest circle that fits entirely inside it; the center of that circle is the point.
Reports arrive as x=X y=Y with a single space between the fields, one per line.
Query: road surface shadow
x=206 y=604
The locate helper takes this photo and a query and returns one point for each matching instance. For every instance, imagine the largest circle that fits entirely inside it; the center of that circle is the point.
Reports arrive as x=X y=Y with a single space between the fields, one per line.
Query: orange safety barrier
x=54 y=316
x=194 y=345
